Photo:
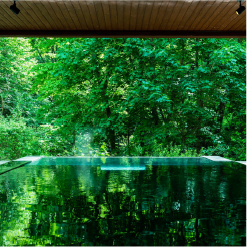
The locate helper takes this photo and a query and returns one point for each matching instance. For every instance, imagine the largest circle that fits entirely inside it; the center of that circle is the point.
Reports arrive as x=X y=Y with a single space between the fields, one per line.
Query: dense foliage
x=157 y=97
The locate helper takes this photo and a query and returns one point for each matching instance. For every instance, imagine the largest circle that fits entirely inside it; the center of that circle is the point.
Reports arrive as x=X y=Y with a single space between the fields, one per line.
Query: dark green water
x=98 y=201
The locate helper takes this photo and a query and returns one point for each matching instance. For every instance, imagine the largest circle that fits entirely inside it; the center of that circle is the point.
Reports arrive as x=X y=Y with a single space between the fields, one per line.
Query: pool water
x=123 y=201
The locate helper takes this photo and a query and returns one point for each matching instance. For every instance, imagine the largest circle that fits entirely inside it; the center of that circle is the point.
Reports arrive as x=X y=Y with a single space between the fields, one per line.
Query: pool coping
x=4 y=162
x=30 y=158
x=241 y=162
x=36 y=158
x=217 y=158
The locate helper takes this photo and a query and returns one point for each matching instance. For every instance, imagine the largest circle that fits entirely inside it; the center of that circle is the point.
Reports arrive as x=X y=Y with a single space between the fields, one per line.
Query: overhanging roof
x=122 y=18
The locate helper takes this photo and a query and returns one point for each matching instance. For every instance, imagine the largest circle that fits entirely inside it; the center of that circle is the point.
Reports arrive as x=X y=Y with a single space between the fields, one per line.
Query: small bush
x=17 y=140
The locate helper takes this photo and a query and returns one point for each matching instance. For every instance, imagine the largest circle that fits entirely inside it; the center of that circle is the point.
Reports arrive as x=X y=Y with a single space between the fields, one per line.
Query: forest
x=122 y=97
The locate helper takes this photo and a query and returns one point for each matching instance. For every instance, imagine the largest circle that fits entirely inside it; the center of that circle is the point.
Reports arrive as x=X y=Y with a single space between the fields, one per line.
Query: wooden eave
x=123 y=18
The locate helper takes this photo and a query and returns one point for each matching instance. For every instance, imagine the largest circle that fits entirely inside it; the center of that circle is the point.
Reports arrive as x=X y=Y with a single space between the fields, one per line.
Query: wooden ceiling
x=122 y=18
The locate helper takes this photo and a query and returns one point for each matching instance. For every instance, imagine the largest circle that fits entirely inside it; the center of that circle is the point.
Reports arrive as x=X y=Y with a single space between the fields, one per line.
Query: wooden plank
x=147 y=15
x=22 y=16
x=5 y=23
x=86 y=14
x=42 y=7
x=179 y=24
x=41 y=18
x=107 y=15
x=127 y=12
x=62 y=8
x=175 y=14
x=120 y=14
x=140 y=15
x=234 y=24
x=193 y=11
x=92 y=11
x=100 y=15
x=17 y=20
x=123 y=15
x=133 y=14
x=239 y=26
x=161 y=14
x=228 y=13
x=214 y=22
x=209 y=6
x=9 y=18
x=26 y=17
x=113 y=14
x=123 y=34
x=167 y=15
x=55 y=14
x=73 y=14
x=199 y=14
x=216 y=15
x=80 y=16
x=154 y=14
x=32 y=15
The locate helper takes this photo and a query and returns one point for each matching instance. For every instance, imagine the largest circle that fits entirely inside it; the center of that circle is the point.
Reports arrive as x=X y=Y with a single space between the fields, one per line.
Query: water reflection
x=195 y=202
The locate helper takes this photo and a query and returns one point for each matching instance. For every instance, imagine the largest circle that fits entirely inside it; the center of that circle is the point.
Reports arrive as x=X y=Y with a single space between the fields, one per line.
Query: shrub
x=17 y=140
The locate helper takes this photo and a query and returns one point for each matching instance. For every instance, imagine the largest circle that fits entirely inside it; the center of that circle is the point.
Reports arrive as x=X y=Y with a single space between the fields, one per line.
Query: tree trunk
x=74 y=138
x=198 y=131
x=2 y=105
x=199 y=105
x=220 y=110
x=110 y=130
x=155 y=116
x=182 y=118
x=43 y=60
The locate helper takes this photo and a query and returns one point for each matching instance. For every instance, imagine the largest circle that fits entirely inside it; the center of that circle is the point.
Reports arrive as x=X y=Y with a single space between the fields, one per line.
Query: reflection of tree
x=164 y=205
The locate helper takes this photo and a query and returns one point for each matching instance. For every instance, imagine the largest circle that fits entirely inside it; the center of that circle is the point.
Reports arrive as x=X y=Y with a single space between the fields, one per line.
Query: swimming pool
x=122 y=201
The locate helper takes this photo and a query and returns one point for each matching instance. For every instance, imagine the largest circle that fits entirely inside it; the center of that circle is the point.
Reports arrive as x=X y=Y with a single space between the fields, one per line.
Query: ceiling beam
x=123 y=34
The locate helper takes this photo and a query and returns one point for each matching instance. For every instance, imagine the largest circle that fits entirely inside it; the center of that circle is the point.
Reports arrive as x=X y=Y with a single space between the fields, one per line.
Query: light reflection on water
x=74 y=202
